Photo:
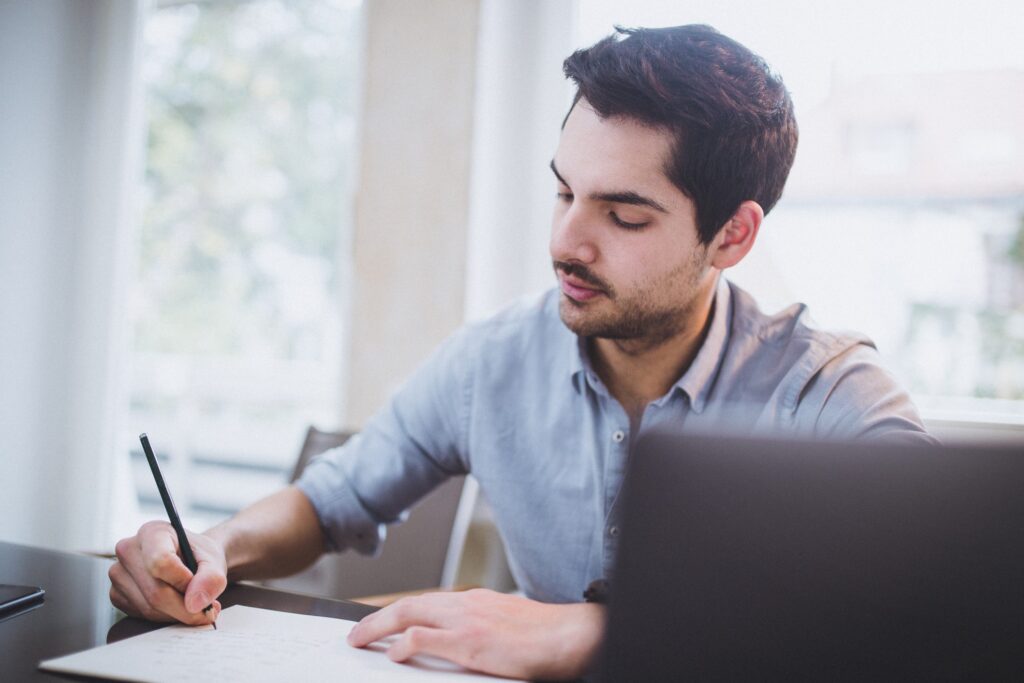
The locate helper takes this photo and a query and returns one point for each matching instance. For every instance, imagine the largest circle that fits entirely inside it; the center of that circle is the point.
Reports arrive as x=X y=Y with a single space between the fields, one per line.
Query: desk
x=77 y=613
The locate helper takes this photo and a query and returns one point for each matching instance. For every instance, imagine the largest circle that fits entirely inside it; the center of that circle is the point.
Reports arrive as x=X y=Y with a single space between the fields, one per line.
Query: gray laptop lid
x=770 y=560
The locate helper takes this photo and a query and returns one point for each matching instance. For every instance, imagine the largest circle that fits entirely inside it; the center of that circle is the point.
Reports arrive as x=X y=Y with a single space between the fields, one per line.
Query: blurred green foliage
x=250 y=109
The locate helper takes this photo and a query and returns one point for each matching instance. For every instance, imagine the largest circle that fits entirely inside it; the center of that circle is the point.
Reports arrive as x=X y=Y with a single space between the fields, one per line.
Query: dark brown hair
x=731 y=117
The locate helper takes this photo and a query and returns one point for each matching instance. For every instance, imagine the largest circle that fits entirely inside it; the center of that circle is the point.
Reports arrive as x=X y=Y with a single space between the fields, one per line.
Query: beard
x=644 y=314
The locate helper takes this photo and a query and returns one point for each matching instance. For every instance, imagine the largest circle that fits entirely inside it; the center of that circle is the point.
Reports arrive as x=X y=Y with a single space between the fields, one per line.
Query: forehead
x=613 y=153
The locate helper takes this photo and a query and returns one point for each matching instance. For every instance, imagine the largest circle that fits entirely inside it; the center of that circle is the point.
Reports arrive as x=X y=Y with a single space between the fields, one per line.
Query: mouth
x=576 y=289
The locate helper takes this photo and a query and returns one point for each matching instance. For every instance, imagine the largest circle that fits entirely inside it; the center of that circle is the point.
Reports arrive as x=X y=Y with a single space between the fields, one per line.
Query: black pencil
x=172 y=512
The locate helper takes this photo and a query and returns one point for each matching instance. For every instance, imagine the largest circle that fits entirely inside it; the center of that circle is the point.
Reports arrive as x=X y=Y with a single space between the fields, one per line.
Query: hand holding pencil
x=151 y=580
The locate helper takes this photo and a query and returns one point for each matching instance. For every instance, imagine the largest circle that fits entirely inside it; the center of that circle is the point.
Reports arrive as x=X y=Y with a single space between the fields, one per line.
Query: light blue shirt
x=514 y=401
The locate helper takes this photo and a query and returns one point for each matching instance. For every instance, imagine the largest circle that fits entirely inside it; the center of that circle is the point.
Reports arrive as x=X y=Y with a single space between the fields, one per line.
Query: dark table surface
x=76 y=613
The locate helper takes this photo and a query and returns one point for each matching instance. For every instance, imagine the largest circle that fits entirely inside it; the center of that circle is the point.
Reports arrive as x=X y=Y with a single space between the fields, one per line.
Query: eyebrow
x=625 y=197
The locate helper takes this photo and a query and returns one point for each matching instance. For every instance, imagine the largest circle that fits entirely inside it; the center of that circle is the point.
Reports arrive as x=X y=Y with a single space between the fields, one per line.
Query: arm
x=402 y=453
x=276 y=536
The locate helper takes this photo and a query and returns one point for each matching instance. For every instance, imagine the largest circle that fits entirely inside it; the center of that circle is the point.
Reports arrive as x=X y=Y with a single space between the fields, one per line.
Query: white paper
x=251 y=645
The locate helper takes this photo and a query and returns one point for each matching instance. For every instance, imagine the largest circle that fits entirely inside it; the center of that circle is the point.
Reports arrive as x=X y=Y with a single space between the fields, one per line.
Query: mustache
x=581 y=272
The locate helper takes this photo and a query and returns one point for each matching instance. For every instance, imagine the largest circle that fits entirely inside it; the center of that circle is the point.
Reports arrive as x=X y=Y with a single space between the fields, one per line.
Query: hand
x=490 y=632
x=149 y=579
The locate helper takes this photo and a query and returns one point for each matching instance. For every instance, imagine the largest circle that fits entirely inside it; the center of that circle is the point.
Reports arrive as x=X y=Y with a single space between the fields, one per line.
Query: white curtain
x=71 y=134
x=521 y=99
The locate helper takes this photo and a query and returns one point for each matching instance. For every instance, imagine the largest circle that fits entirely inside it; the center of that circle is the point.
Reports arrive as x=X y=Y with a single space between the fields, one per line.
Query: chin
x=586 y=323
x=573 y=316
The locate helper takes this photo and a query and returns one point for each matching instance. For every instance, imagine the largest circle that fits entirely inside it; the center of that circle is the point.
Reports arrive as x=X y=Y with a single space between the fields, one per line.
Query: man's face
x=624 y=239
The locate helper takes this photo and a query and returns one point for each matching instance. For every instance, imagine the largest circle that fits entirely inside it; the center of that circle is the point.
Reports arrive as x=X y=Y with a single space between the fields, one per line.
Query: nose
x=572 y=235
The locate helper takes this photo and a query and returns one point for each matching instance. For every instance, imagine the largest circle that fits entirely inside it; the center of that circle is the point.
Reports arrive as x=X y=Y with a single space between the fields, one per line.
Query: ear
x=737 y=236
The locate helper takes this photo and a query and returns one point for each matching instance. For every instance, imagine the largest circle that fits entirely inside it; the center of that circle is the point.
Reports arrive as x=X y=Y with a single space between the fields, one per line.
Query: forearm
x=276 y=536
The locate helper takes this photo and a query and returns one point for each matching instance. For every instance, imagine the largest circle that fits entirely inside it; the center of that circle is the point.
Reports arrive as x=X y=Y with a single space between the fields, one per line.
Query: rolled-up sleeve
x=409 y=447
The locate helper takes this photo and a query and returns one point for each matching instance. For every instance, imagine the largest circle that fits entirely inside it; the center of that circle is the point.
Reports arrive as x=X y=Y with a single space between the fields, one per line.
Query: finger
x=152 y=599
x=118 y=600
x=421 y=610
x=126 y=596
x=423 y=640
x=208 y=583
x=159 y=555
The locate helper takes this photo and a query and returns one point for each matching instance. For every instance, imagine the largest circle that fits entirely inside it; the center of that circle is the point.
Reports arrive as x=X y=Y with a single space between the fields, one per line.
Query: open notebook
x=253 y=645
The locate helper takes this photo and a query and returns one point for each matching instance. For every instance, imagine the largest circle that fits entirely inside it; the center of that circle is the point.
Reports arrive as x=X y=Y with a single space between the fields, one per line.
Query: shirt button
x=618 y=436
x=613 y=531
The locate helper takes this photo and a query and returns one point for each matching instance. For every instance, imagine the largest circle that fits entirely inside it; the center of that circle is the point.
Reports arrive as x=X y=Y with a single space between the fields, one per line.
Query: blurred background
x=223 y=221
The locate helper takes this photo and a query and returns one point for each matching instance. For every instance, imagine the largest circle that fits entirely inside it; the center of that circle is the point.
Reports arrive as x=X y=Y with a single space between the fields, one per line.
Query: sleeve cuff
x=344 y=521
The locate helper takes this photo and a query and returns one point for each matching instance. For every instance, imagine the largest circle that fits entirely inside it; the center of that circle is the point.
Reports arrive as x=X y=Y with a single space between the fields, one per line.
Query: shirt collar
x=698 y=379
x=579 y=361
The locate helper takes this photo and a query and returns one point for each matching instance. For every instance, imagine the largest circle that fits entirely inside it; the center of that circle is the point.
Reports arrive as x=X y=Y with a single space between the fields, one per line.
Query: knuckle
x=416 y=636
x=162 y=563
x=400 y=608
x=123 y=547
x=150 y=526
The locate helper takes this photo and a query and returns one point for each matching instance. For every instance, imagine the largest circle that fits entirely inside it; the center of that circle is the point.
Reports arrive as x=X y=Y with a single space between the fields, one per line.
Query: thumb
x=208 y=582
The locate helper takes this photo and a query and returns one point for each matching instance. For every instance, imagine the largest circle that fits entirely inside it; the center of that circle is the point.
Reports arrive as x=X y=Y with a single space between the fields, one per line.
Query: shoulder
x=787 y=343
x=832 y=383
x=530 y=323
x=526 y=334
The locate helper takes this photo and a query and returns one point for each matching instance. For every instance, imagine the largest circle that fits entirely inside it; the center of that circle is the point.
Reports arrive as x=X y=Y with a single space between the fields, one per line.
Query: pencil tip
x=215 y=626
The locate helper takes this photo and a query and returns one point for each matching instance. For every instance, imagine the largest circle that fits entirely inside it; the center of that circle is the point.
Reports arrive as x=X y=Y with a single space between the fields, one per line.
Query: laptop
x=747 y=559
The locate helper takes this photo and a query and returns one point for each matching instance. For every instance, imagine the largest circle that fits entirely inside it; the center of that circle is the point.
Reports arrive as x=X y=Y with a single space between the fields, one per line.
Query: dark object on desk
x=768 y=560
x=18 y=599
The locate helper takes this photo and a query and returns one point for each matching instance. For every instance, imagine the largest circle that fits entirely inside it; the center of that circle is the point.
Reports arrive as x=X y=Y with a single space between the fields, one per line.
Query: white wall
x=409 y=241
x=66 y=112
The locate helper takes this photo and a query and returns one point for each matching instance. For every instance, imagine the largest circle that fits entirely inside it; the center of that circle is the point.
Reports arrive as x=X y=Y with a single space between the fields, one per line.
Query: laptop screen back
x=763 y=559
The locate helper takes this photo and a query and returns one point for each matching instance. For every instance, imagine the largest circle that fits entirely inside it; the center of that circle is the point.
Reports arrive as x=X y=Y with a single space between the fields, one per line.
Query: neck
x=638 y=371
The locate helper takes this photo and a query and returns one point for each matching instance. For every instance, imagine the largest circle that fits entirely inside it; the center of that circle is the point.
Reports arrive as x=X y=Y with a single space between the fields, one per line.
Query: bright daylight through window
x=904 y=214
x=237 y=331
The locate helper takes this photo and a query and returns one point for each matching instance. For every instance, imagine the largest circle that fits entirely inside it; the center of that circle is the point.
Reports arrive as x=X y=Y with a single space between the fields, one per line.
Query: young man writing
x=678 y=143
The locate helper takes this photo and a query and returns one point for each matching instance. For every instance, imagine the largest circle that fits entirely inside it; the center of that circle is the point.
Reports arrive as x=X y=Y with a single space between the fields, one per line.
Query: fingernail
x=352 y=639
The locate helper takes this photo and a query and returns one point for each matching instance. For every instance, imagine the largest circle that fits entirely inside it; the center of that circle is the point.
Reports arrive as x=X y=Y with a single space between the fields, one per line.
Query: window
x=243 y=240
x=904 y=215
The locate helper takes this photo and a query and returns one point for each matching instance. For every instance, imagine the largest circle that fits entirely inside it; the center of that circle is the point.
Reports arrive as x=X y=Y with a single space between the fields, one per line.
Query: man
x=678 y=142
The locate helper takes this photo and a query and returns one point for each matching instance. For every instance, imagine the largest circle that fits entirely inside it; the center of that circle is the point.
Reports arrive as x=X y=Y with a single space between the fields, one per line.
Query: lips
x=576 y=290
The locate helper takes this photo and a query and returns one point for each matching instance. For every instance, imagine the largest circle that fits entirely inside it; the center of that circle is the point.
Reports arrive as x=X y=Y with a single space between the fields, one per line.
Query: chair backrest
x=422 y=552
x=315 y=443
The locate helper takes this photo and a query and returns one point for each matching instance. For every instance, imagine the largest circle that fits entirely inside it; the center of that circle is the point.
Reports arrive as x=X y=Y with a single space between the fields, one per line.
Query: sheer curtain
x=69 y=128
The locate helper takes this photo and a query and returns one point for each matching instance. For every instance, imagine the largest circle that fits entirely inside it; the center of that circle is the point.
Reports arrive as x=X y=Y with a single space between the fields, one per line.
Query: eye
x=626 y=224
x=565 y=196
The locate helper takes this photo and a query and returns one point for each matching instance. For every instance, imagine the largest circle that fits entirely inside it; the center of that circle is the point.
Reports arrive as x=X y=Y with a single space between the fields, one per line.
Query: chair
x=421 y=553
